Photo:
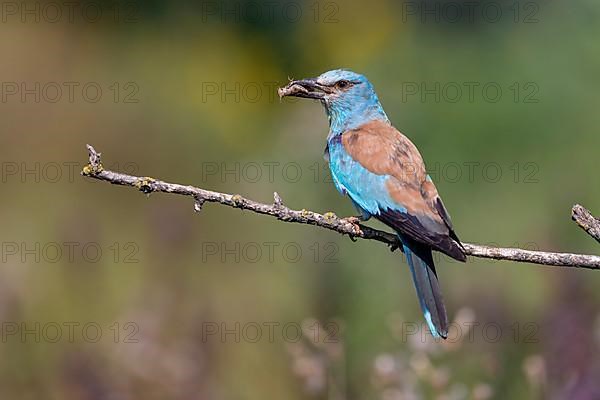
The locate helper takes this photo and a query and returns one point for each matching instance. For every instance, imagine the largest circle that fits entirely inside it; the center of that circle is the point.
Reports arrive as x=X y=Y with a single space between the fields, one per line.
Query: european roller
x=383 y=174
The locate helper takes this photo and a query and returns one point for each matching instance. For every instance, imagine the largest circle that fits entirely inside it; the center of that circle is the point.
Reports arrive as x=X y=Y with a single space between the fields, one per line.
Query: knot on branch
x=304 y=212
x=94 y=166
x=198 y=203
x=277 y=200
x=145 y=185
x=238 y=201
x=330 y=216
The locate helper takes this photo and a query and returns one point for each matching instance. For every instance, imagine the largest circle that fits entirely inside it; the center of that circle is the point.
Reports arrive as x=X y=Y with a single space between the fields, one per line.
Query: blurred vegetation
x=158 y=268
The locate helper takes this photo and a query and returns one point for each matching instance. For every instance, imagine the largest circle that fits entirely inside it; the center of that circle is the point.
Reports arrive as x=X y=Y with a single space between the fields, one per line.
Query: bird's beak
x=307 y=88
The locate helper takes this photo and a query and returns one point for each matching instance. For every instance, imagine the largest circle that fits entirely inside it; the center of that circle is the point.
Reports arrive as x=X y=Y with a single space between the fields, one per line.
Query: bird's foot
x=355 y=222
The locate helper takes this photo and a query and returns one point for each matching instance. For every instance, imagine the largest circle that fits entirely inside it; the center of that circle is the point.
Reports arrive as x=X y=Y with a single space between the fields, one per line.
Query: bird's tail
x=420 y=260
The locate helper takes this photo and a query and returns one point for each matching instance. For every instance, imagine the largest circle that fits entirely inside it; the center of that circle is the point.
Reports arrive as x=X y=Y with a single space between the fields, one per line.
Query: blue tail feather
x=420 y=261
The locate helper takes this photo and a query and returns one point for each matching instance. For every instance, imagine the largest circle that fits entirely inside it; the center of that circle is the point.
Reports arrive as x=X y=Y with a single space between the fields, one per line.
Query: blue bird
x=383 y=173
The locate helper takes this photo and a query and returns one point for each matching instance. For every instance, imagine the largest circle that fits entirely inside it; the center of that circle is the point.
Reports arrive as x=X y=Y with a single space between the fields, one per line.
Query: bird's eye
x=342 y=84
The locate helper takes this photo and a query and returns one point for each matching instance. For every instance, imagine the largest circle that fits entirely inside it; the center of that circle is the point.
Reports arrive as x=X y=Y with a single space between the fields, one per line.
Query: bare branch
x=586 y=221
x=345 y=226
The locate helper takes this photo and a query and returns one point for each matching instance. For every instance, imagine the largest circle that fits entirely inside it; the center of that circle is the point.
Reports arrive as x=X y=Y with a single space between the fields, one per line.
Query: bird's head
x=349 y=98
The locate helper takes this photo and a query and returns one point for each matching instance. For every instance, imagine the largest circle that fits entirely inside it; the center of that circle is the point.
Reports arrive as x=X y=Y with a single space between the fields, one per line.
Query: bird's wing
x=407 y=199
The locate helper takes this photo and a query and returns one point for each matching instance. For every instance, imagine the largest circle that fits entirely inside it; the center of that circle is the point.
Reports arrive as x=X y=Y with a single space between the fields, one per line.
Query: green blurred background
x=107 y=294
